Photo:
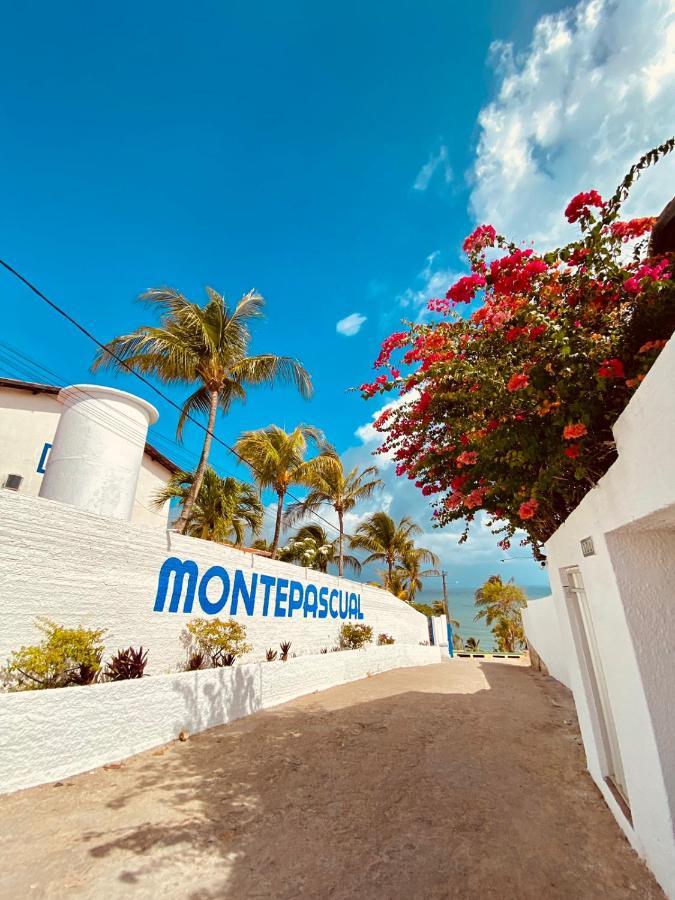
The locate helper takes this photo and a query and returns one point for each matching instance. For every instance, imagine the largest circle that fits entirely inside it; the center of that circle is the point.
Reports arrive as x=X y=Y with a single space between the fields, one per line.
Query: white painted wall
x=630 y=515
x=28 y=421
x=542 y=629
x=79 y=568
x=48 y=735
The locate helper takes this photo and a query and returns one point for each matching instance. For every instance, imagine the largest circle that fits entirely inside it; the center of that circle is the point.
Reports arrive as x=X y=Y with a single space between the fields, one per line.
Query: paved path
x=461 y=780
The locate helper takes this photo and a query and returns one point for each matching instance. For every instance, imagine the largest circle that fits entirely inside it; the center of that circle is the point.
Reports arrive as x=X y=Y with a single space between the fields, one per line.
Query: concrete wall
x=542 y=629
x=28 y=421
x=79 y=568
x=48 y=735
x=628 y=583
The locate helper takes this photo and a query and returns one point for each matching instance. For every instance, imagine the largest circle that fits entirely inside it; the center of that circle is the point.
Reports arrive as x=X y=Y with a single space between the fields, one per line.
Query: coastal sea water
x=462 y=608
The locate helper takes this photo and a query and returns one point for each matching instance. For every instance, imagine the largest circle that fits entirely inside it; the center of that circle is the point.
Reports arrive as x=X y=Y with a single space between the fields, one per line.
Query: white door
x=597 y=685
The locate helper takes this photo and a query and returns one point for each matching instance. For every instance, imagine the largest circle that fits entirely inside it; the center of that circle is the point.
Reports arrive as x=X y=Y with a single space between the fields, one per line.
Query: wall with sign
x=143 y=586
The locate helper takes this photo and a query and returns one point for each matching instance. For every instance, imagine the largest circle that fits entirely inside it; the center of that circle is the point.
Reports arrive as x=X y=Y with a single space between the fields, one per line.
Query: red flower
x=464 y=290
x=528 y=509
x=633 y=229
x=572 y=451
x=571 y=432
x=517 y=382
x=611 y=368
x=483 y=236
x=468 y=458
x=652 y=345
x=578 y=207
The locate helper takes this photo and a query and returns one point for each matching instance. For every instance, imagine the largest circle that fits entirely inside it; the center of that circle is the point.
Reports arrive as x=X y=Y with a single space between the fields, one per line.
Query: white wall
x=543 y=633
x=82 y=569
x=630 y=515
x=28 y=421
x=47 y=735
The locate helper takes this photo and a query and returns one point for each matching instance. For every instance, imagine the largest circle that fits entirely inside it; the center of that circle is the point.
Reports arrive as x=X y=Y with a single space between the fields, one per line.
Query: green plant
x=388 y=541
x=219 y=639
x=384 y=639
x=205 y=346
x=354 y=636
x=310 y=546
x=500 y=604
x=271 y=655
x=335 y=649
x=331 y=485
x=472 y=645
x=228 y=659
x=224 y=510
x=285 y=647
x=127 y=664
x=277 y=461
x=66 y=656
x=323 y=650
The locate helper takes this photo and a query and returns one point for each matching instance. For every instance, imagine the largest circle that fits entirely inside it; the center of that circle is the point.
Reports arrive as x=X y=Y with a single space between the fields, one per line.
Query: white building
x=29 y=415
x=608 y=631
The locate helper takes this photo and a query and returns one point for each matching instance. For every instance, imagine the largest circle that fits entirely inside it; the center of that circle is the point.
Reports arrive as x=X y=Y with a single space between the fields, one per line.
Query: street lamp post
x=451 y=649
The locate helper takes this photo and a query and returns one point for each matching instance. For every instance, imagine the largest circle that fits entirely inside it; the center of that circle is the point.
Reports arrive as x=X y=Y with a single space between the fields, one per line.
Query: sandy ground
x=458 y=780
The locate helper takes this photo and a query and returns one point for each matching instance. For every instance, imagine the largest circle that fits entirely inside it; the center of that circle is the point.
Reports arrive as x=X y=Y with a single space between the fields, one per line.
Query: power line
x=92 y=337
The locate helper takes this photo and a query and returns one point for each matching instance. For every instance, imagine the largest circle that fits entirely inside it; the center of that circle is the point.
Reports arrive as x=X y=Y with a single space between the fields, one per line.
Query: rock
x=183 y=736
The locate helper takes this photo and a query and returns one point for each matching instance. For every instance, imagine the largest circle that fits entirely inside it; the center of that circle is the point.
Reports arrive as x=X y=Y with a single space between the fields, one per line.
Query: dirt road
x=461 y=780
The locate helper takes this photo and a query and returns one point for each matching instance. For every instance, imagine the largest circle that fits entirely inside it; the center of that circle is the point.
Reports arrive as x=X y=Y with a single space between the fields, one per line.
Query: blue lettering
x=353 y=606
x=247 y=594
x=268 y=581
x=333 y=594
x=173 y=566
x=358 y=607
x=282 y=596
x=344 y=607
x=213 y=607
x=296 y=589
x=310 y=607
x=323 y=603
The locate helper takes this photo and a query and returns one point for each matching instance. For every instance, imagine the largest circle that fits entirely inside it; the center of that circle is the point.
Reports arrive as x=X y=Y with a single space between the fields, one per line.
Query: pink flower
x=468 y=458
x=464 y=290
x=578 y=207
x=484 y=236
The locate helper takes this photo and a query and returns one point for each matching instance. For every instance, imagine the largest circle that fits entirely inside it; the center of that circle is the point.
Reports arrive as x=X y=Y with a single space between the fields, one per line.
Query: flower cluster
x=508 y=407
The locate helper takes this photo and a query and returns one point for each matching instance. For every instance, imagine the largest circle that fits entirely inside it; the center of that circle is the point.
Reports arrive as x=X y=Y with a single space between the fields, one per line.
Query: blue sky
x=332 y=157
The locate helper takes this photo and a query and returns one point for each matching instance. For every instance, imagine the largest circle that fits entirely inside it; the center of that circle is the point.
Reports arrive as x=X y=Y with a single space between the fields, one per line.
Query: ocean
x=462 y=608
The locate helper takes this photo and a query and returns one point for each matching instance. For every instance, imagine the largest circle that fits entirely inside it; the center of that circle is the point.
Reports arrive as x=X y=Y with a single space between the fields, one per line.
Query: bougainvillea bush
x=509 y=395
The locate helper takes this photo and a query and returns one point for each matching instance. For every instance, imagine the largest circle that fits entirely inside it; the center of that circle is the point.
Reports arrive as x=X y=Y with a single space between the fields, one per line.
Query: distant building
x=29 y=414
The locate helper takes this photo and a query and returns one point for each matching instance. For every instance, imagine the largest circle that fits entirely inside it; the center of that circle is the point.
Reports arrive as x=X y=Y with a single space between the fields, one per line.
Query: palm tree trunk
x=341 y=558
x=181 y=524
x=277 y=527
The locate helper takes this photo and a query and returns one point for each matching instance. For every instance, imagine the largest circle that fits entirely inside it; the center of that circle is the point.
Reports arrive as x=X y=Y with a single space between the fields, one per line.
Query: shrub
x=195 y=661
x=271 y=655
x=508 y=398
x=218 y=639
x=353 y=637
x=66 y=656
x=127 y=664
x=324 y=650
x=384 y=639
x=285 y=647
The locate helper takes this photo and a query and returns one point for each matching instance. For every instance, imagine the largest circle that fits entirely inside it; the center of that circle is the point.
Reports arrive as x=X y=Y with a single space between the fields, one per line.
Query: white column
x=98 y=450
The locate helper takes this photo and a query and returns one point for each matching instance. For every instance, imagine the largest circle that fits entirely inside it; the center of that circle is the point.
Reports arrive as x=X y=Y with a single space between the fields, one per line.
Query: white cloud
x=350 y=325
x=432 y=281
x=593 y=91
x=436 y=162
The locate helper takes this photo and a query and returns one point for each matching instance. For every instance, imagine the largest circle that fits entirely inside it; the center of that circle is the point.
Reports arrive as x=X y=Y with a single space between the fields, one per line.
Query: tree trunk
x=341 y=559
x=181 y=524
x=277 y=527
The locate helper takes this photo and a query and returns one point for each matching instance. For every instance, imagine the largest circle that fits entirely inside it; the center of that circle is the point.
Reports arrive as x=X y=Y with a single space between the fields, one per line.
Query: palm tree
x=224 y=510
x=277 y=460
x=498 y=600
x=410 y=565
x=205 y=346
x=384 y=539
x=314 y=538
x=342 y=491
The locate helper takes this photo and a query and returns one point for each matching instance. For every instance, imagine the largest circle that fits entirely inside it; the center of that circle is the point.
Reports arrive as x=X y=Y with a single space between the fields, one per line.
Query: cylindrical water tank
x=98 y=450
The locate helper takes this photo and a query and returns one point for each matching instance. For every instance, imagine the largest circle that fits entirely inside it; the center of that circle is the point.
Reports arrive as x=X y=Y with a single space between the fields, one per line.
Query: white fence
x=542 y=630
x=51 y=734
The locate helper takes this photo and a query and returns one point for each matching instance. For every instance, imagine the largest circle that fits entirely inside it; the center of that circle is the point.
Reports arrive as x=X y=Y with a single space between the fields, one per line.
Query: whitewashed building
x=608 y=631
x=29 y=416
